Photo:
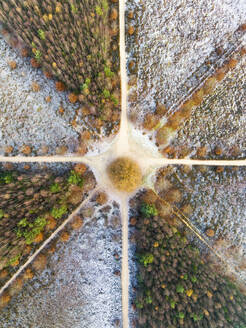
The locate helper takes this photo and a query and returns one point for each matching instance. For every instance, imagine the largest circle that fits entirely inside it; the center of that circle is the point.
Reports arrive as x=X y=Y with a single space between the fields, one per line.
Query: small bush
x=58 y=212
x=30 y=230
x=124 y=174
x=54 y=188
x=75 y=179
x=6 y=178
x=146 y=259
x=148 y=210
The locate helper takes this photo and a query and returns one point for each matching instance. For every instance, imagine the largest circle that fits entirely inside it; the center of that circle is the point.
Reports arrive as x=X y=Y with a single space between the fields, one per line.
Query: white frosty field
x=173 y=41
x=25 y=116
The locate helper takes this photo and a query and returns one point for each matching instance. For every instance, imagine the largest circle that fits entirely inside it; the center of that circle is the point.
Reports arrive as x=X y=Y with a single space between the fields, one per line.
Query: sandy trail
x=122 y=141
x=121 y=146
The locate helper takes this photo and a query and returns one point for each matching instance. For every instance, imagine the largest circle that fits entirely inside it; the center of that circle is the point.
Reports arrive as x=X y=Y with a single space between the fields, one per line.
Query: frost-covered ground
x=220 y=120
x=26 y=118
x=133 y=276
x=80 y=287
x=57 y=168
x=173 y=42
x=217 y=202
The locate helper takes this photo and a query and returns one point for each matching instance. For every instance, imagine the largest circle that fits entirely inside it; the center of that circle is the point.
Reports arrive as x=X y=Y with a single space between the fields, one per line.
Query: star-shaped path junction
x=122 y=178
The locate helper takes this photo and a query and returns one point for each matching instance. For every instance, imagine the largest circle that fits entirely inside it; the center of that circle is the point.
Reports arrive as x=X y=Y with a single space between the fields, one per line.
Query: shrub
x=6 y=178
x=75 y=178
x=58 y=212
x=124 y=174
x=148 y=210
x=29 y=230
x=179 y=289
x=146 y=259
x=54 y=188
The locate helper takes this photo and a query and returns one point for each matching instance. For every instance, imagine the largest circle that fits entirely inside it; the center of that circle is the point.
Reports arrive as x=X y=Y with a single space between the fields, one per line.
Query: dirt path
x=122 y=149
x=150 y=161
